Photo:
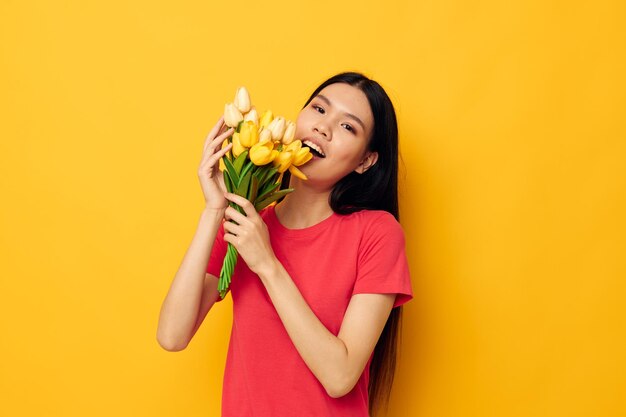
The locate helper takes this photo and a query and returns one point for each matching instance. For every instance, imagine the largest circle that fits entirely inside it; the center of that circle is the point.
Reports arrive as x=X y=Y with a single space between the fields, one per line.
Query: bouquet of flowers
x=263 y=149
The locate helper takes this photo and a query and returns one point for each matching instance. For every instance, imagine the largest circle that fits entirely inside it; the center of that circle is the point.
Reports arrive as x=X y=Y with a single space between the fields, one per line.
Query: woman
x=317 y=302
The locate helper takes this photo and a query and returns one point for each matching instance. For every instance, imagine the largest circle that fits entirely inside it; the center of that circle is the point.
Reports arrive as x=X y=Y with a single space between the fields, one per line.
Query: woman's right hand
x=211 y=178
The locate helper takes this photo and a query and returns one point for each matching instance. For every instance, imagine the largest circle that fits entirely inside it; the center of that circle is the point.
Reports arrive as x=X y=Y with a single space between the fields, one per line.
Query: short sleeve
x=216 y=259
x=382 y=263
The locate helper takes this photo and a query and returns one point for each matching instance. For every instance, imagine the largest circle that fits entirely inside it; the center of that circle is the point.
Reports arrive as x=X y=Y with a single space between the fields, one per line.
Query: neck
x=303 y=207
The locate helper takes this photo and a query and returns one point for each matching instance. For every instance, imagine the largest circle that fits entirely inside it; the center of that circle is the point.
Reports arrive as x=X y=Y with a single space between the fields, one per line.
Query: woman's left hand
x=249 y=235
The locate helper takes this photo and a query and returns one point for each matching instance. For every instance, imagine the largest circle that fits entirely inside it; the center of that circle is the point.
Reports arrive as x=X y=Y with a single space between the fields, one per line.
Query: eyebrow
x=350 y=115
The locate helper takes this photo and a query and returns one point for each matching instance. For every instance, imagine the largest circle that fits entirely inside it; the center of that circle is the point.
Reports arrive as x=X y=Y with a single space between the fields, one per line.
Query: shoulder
x=375 y=224
x=373 y=219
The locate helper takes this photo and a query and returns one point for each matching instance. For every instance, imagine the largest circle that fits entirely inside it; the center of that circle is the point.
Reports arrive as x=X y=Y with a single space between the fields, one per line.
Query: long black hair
x=375 y=189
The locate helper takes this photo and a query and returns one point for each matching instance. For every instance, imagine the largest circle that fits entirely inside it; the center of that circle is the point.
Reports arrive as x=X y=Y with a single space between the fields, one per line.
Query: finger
x=209 y=152
x=223 y=128
x=213 y=141
x=218 y=126
x=219 y=139
x=232 y=239
x=226 y=133
x=231 y=228
x=233 y=214
x=215 y=145
x=244 y=203
x=212 y=160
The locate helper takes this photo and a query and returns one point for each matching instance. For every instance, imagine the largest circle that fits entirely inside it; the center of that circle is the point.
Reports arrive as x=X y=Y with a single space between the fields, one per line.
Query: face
x=337 y=125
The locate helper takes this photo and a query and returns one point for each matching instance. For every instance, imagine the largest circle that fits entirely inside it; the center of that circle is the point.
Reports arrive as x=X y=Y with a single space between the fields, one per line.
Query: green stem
x=228 y=267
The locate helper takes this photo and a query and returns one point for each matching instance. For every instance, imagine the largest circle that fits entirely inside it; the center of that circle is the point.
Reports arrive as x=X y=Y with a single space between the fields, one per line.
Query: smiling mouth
x=314 y=149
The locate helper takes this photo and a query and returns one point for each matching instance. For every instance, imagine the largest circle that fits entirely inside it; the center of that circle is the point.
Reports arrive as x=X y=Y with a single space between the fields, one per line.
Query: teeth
x=314 y=146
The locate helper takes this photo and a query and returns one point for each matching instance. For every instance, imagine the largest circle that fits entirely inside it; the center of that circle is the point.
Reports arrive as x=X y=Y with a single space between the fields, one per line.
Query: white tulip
x=232 y=115
x=290 y=133
x=277 y=127
x=251 y=116
x=242 y=100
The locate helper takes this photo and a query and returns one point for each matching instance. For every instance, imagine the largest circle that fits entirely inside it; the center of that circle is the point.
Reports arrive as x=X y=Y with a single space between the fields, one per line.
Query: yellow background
x=513 y=196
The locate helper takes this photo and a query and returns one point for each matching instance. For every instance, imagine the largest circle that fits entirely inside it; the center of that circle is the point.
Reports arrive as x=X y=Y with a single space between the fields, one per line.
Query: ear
x=368 y=161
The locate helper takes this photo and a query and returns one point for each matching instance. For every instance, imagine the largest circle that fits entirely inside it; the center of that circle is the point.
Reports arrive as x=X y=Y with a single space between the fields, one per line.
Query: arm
x=192 y=292
x=336 y=361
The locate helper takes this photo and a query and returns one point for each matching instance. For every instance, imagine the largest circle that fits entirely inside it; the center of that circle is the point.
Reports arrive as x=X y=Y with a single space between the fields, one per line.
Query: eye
x=348 y=127
x=318 y=108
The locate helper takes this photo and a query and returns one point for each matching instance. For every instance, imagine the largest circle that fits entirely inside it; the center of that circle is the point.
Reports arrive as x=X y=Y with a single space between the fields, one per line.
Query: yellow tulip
x=283 y=161
x=266 y=119
x=248 y=134
x=237 y=148
x=265 y=136
x=232 y=115
x=251 y=116
x=242 y=100
x=294 y=146
x=277 y=127
x=296 y=172
x=302 y=157
x=262 y=154
x=290 y=133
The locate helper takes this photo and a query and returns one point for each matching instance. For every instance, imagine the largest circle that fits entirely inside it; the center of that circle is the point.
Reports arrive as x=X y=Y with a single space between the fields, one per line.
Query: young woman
x=317 y=298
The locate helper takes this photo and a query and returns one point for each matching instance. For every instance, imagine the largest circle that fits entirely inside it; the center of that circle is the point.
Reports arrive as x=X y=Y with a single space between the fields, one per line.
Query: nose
x=321 y=129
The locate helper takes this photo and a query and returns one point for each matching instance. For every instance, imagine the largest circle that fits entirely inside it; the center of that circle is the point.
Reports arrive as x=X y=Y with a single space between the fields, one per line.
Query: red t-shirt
x=265 y=376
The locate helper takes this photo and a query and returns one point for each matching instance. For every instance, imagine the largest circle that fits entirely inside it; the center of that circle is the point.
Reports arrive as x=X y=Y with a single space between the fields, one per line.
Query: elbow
x=339 y=387
x=339 y=391
x=172 y=347
x=169 y=344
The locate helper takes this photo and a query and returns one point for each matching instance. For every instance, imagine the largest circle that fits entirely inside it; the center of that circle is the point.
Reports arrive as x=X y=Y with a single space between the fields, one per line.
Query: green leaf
x=228 y=181
x=234 y=176
x=246 y=168
x=239 y=161
x=271 y=198
x=244 y=183
x=269 y=174
x=270 y=183
x=254 y=188
x=267 y=190
x=259 y=172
